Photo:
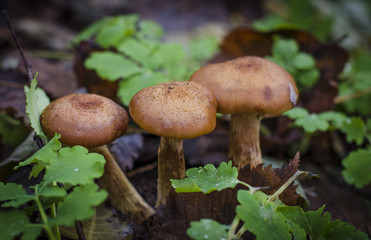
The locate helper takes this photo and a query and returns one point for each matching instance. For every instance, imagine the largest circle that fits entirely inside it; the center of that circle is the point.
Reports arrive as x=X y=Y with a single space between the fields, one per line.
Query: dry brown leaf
x=102 y=226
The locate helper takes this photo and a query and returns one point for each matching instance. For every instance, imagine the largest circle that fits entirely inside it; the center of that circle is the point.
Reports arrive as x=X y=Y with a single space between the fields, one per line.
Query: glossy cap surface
x=249 y=85
x=175 y=109
x=88 y=120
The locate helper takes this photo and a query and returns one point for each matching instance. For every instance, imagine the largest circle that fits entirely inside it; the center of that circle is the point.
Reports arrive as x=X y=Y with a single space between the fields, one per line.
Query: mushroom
x=248 y=88
x=174 y=111
x=93 y=121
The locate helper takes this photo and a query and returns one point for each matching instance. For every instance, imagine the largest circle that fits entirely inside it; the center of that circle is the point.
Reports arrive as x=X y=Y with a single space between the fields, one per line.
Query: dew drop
x=206 y=236
x=76 y=169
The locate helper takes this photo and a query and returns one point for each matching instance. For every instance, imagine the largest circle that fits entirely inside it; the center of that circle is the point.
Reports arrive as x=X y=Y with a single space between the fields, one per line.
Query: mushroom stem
x=171 y=165
x=244 y=145
x=121 y=193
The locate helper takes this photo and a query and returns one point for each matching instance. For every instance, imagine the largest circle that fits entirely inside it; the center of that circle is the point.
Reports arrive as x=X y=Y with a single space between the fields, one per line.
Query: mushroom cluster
x=174 y=111
x=248 y=88
x=93 y=121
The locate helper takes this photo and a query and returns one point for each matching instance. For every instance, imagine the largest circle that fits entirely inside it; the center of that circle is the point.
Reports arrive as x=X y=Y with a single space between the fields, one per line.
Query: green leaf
x=150 y=30
x=307 y=78
x=14 y=223
x=129 y=87
x=169 y=57
x=43 y=156
x=284 y=48
x=358 y=167
x=51 y=190
x=304 y=61
x=355 y=130
x=204 y=47
x=318 y=225
x=296 y=113
x=14 y=195
x=74 y=166
x=116 y=29
x=207 y=229
x=111 y=66
x=261 y=218
x=36 y=100
x=312 y=123
x=79 y=205
x=207 y=179
x=138 y=50
x=335 y=118
x=90 y=31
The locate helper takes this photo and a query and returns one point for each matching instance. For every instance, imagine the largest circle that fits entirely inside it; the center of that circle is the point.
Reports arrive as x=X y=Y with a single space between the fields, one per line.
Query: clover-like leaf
x=207 y=179
x=14 y=223
x=75 y=166
x=139 y=50
x=13 y=194
x=358 y=167
x=207 y=229
x=312 y=123
x=296 y=112
x=36 y=100
x=81 y=202
x=111 y=66
x=355 y=130
x=116 y=29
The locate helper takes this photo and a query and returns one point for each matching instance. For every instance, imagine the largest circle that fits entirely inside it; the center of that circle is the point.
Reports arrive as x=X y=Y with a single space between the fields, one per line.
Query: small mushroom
x=174 y=111
x=93 y=121
x=248 y=88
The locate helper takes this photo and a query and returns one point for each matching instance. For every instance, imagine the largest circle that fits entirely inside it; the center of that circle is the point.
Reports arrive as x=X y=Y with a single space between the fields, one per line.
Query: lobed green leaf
x=14 y=223
x=358 y=167
x=111 y=66
x=79 y=204
x=13 y=194
x=207 y=179
x=207 y=229
x=74 y=166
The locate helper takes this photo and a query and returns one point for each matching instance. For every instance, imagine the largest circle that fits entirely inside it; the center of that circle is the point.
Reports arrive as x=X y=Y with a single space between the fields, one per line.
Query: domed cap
x=249 y=85
x=175 y=109
x=88 y=120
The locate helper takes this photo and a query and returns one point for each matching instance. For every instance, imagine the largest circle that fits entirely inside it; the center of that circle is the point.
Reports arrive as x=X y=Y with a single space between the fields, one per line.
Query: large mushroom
x=174 y=111
x=94 y=121
x=248 y=88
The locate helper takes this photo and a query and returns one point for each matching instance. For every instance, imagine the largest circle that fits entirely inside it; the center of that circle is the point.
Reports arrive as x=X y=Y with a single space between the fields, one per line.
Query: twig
x=80 y=232
x=348 y=97
x=27 y=65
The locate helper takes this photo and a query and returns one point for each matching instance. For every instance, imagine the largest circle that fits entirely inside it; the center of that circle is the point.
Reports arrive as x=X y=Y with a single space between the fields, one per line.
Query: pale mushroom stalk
x=244 y=141
x=93 y=121
x=122 y=194
x=170 y=148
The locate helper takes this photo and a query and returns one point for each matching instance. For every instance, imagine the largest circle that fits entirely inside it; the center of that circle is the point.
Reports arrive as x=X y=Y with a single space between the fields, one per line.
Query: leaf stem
x=44 y=219
x=53 y=211
x=232 y=229
x=285 y=185
x=241 y=231
x=251 y=188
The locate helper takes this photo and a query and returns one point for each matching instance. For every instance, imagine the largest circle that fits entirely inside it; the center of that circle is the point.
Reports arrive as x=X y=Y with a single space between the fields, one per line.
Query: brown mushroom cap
x=88 y=120
x=249 y=85
x=175 y=109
